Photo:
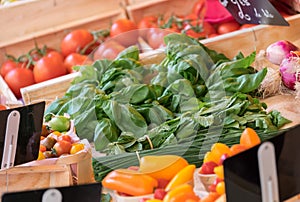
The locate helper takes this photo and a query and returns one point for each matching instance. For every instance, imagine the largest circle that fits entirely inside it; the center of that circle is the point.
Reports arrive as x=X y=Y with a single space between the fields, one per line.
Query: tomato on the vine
x=155 y=37
x=124 y=31
x=199 y=29
x=49 y=67
x=8 y=65
x=19 y=78
x=75 y=59
x=75 y=41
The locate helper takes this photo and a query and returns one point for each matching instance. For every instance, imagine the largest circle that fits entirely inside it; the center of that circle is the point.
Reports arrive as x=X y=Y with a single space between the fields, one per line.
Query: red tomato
x=62 y=147
x=124 y=31
x=245 y=26
x=75 y=59
x=65 y=137
x=155 y=37
x=148 y=22
x=8 y=65
x=2 y=107
x=75 y=41
x=199 y=30
x=227 y=27
x=19 y=78
x=108 y=50
x=49 y=67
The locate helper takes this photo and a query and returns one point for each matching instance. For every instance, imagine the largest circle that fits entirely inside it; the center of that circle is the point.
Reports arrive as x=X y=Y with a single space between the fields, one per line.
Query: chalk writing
x=254 y=12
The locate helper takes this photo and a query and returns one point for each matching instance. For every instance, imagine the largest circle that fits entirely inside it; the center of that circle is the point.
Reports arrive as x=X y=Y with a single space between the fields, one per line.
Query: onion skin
x=279 y=50
x=288 y=70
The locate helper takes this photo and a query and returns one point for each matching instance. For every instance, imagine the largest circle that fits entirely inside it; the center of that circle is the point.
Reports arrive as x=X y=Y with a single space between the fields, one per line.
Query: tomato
x=155 y=37
x=198 y=29
x=245 y=26
x=2 y=107
x=8 y=65
x=65 y=137
x=76 y=147
x=227 y=27
x=59 y=123
x=220 y=188
x=208 y=167
x=61 y=147
x=75 y=41
x=74 y=59
x=148 y=22
x=42 y=148
x=124 y=31
x=49 y=67
x=19 y=78
x=108 y=50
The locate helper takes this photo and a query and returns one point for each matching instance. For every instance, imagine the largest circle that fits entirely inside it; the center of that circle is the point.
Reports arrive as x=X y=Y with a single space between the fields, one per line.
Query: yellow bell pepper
x=162 y=167
x=185 y=175
x=131 y=183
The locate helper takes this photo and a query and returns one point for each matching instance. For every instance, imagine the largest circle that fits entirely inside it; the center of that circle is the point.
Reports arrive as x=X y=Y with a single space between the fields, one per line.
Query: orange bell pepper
x=162 y=167
x=184 y=188
x=185 y=175
x=131 y=183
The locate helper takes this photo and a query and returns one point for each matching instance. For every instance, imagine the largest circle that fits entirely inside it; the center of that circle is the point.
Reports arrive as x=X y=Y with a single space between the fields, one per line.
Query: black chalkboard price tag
x=254 y=12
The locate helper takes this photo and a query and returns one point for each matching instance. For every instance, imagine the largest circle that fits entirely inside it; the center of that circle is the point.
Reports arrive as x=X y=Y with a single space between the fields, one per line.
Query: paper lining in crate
x=65 y=170
x=7 y=97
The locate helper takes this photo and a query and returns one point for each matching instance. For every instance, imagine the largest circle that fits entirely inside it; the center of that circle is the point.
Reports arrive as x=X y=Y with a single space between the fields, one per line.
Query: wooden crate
x=136 y=11
x=47 y=90
x=21 y=178
x=66 y=170
x=46 y=22
x=255 y=38
x=7 y=97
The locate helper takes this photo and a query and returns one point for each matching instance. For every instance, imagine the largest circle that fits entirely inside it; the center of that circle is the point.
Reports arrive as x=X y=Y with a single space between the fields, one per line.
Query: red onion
x=279 y=50
x=290 y=70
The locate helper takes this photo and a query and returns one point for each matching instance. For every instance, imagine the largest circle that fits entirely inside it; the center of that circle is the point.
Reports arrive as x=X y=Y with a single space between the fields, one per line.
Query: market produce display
x=158 y=130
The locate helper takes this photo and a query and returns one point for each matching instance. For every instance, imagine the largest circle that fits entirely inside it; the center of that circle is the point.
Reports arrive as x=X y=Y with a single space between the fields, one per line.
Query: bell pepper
x=130 y=182
x=162 y=167
x=185 y=175
x=184 y=188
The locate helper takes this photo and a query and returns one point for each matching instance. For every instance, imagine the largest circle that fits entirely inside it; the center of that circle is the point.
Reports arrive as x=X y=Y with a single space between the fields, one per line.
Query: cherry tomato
x=124 y=31
x=8 y=65
x=227 y=27
x=220 y=188
x=2 y=107
x=108 y=50
x=59 y=123
x=61 y=147
x=65 y=137
x=76 y=147
x=75 y=41
x=75 y=59
x=19 y=78
x=42 y=148
x=49 y=67
x=198 y=29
